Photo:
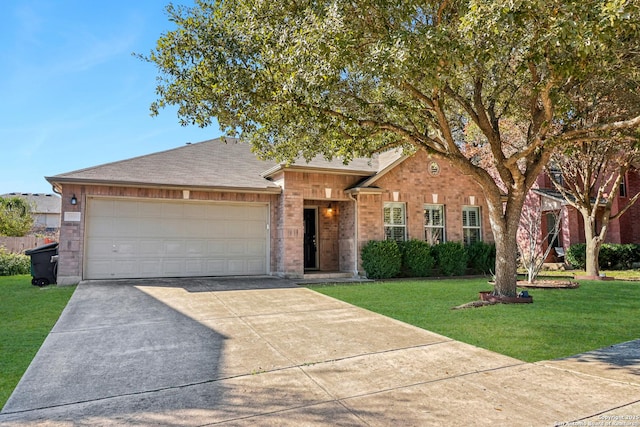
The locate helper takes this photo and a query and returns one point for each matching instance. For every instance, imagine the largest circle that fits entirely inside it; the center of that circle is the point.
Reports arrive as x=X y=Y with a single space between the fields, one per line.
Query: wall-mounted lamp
x=329 y=208
x=74 y=200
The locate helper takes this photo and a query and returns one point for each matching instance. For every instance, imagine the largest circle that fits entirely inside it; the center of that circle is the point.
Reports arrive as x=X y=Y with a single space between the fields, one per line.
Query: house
x=45 y=210
x=553 y=207
x=214 y=209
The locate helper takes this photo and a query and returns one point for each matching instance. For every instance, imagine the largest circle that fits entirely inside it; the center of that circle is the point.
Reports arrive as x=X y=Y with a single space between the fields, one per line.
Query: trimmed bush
x=612 y=256
x=607 y=258
x=481 y=257
x=12 y=264
x=629 y=254
x=417 y=260
x=381 y=259
x=451 y=258
x=576 y=255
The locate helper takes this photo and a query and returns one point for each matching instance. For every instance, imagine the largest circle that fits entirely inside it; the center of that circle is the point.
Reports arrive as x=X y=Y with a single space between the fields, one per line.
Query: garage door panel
x=100 y=247
x=216 y=247
x=195 y=267
x=255 y=247
x=150 y=248
x=237 y=266
x=196 y=248
x=101 y=226
x=127 y=209
x=127 y=248
x=174 y=248
x=254 y=266
x=144 y=238
x=150 y=268
x=173 y=267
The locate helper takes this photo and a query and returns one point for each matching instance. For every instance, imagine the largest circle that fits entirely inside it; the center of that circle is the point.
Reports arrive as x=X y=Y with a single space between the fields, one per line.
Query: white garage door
x=142 y=238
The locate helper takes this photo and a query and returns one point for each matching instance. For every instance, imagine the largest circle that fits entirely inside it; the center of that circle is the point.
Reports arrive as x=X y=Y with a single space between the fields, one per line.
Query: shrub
x=607 y=258
x=481 y=257
x=576 y=255
x=12 y=264
x=417 y=260
x=451 y=258
x=629 y=254
x=381 y=259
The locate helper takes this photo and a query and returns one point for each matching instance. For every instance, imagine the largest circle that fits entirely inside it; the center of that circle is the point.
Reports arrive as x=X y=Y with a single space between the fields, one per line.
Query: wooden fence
x=21 y=244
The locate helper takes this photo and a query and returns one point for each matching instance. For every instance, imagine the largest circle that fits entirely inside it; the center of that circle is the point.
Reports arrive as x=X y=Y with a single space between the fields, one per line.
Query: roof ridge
x=155 y=153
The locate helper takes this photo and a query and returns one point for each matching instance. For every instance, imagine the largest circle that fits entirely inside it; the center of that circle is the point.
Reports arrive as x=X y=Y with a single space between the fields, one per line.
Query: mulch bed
x=538 y=284
x=549 y=284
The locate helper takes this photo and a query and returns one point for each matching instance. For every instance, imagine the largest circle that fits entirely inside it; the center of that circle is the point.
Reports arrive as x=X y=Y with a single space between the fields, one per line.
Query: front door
x=311 y=238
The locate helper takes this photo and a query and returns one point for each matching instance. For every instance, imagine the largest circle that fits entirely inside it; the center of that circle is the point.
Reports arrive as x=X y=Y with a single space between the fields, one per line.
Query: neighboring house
x=45 y=210
x=214 y=209
x=625 y=229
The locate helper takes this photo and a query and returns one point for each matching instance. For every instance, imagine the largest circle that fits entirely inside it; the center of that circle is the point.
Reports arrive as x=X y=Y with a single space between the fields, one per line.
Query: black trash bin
x=44 y=264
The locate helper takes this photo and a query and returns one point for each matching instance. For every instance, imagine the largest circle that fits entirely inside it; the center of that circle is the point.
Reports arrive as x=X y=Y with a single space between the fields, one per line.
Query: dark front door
x=310 y=238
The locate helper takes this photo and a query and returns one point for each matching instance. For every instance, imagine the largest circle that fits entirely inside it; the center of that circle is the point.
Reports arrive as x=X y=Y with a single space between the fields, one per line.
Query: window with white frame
x=471 y=229
x=434 y=225
x=395 y=224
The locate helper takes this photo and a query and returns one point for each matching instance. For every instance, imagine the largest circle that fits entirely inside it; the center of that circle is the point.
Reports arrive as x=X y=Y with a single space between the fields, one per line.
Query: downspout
x=355 y=235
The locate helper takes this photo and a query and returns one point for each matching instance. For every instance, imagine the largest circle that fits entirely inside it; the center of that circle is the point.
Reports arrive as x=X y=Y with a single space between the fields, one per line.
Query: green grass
x=559 y=323
x=27 y=314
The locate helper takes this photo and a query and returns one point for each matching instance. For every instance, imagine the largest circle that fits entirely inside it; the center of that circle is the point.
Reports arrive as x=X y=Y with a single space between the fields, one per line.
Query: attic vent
x=434 y=168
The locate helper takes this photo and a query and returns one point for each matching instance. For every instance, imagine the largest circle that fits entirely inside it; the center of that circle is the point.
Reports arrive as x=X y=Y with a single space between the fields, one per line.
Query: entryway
x=311 y=238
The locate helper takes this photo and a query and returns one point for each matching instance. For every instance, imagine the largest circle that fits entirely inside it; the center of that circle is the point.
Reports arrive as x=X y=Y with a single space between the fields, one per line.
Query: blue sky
x=72 y=94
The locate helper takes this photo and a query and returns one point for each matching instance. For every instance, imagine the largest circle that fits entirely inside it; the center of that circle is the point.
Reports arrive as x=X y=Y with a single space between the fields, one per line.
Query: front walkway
x=248 y=352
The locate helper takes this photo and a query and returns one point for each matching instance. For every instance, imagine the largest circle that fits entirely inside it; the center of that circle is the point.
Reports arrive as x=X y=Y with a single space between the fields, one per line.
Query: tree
x=531 y=240
x=589 y=177
x=15 y=216
x=345 y=78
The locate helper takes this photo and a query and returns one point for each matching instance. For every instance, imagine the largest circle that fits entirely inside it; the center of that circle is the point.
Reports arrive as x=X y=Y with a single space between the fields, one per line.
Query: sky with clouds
x=72 y=93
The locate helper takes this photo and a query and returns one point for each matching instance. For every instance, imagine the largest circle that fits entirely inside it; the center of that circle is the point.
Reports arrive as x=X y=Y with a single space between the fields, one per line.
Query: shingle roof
x=208 y=164
x=212 y=164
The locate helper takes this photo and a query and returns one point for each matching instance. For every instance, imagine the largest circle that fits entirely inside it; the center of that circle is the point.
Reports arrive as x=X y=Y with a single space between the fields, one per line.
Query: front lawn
x=27 y=314
x=559 y=323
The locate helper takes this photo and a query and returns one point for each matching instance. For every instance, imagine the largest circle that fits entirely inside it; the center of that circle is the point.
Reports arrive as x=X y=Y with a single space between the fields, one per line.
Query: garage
x=141 y=238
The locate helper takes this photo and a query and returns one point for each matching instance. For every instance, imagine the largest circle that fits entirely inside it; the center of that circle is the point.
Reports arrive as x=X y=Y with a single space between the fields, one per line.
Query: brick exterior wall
x=335 y=229
x=626 y=229
x=362 y=216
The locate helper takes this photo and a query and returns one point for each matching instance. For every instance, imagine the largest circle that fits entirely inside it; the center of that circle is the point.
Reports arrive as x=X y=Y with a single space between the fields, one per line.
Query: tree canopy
x=357 y=77
x=15 y=216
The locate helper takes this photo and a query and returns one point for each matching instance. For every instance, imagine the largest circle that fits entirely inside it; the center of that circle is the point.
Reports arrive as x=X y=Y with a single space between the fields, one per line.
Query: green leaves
x=15 y=217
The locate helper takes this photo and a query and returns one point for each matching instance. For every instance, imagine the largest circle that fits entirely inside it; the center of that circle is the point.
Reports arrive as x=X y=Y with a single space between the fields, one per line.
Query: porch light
x=329 y=209
x=74 y=200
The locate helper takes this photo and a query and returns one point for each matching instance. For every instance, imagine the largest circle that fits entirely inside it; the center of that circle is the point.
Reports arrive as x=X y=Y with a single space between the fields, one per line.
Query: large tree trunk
x=504 y=224
x=506 y=264
x=593 y=244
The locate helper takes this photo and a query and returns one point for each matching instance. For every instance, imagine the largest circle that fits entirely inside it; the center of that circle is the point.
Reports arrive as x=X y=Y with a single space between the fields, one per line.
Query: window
x=623 y=186
x=556 y=175
x=554 y=224
x=394 y=221
x=471 y=231
x=434 y=224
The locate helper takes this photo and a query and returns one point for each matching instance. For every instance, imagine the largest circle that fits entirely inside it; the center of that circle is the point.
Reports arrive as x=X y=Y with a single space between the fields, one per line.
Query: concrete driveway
x=263 y=351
